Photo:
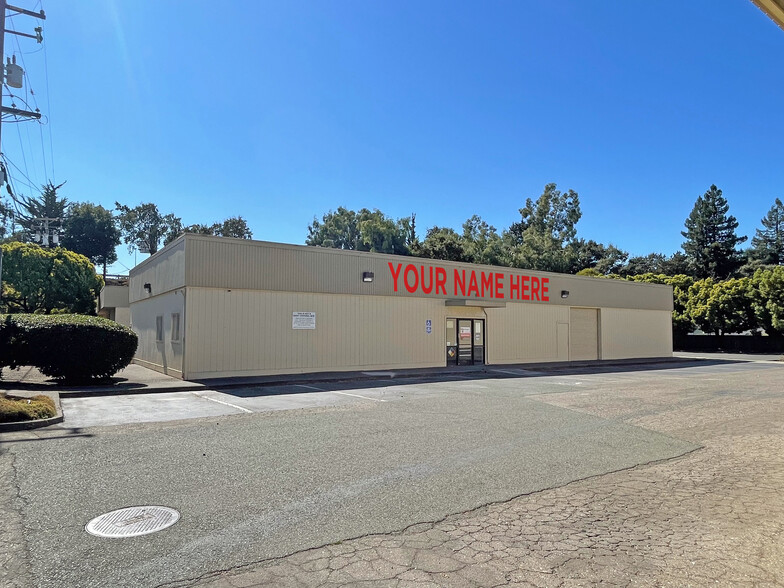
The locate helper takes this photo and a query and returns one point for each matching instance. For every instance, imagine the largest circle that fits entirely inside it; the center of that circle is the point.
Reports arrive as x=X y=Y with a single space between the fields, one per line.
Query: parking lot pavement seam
x=426 y=525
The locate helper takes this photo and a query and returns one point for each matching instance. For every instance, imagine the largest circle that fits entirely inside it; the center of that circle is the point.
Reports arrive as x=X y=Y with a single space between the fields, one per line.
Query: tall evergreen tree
x=710 y=237
x=767 y=245
x=49 y=205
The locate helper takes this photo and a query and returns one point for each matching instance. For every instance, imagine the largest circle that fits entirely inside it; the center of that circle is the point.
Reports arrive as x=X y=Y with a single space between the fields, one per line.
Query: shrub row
x=70 y=347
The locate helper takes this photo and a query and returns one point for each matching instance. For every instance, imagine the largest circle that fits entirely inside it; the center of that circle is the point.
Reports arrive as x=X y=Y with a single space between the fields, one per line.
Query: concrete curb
x=38 y=423
x=323 y=377
x=87 y=392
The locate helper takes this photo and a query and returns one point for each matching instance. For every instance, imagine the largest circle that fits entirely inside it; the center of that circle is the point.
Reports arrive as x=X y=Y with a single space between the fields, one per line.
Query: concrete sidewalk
x=136 y=379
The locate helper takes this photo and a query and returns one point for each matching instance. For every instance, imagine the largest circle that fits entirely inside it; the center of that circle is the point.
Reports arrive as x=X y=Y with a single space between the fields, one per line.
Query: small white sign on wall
x=303 y=320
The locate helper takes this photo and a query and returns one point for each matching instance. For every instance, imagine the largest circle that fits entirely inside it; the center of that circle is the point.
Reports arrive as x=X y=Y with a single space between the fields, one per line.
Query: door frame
x=473 y=321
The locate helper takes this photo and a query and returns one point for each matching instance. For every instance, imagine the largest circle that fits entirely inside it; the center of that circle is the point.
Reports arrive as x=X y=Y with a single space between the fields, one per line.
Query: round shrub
x=71 y=347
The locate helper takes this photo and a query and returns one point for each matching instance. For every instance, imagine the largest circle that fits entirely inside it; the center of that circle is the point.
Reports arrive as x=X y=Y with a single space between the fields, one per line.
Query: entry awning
x=479 y=303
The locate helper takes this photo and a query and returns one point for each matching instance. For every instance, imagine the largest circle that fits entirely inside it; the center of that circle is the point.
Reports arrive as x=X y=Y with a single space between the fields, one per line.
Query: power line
x=16 y=75
x=48 y=105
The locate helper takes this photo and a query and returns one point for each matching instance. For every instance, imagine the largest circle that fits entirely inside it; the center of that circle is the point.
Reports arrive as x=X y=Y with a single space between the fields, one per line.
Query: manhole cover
x=132 y=521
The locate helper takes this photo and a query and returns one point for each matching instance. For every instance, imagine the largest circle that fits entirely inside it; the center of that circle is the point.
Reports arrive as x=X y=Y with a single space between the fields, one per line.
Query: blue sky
x=279 y=111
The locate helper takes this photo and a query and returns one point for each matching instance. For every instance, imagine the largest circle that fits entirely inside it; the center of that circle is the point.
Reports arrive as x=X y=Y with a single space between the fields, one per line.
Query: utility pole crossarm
x=18 y=112
x=41 y=15
x=37 y=35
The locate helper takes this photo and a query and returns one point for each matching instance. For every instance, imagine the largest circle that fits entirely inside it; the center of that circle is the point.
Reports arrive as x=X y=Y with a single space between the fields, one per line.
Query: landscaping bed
x=15 y=408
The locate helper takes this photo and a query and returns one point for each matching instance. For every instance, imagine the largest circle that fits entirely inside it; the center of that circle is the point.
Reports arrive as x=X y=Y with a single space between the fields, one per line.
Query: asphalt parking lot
x=168 y=406
x=447 y=482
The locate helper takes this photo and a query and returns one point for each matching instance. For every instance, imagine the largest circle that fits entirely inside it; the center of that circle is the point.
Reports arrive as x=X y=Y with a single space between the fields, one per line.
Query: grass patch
x=14 y=409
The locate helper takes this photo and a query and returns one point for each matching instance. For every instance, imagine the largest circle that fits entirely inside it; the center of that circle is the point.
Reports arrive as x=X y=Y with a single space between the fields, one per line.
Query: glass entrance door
x=465 y=341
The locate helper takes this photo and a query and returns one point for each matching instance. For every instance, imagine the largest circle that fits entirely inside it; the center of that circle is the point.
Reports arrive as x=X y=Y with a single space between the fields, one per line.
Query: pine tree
x=767 y=245
x=48 y=205
x=711 y=241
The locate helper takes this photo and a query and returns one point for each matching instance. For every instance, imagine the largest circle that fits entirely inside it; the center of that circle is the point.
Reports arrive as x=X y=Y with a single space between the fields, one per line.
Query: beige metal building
x=113 y=303
x=213 y=307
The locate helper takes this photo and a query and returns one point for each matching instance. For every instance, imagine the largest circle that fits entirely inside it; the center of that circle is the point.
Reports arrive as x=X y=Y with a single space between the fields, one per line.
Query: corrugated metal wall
x=524 y=333
x=584 y=334
x=164 y=271
x=240 y=296
x=249 y=332
x=627 y=333
x=166 y=356
x=213 y=262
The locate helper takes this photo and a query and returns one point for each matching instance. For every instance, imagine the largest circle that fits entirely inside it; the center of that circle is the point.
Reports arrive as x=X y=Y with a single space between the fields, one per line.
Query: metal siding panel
x=164 y=271
x=166 y=357
x=524 y=333
x=240 y=264
x=630 y=333
x=391 y=333
x=583 y=334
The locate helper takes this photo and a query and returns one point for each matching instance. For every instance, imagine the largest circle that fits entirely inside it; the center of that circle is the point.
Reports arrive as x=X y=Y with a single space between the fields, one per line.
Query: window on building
x=159 y=328
x=175 y=327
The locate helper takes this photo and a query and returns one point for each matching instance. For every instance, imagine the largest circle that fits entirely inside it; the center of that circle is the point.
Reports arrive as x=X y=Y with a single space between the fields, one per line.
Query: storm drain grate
x=132 y=521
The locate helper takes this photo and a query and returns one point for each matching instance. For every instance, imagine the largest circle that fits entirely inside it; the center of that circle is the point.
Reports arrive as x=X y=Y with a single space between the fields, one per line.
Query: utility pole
x=42 y=232
x=7 y=69
x=4 y=5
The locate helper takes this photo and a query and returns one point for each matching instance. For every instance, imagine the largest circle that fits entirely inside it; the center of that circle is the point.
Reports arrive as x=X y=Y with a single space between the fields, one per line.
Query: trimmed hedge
x=70 y=347
x=13 y=409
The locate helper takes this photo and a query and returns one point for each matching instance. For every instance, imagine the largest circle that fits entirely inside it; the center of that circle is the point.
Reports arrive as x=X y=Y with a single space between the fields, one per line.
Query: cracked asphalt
x=690 y=496
x=714 y=517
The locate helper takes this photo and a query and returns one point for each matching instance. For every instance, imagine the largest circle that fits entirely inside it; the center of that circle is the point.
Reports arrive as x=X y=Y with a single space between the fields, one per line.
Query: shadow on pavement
x=44 y=434
x=355 y=381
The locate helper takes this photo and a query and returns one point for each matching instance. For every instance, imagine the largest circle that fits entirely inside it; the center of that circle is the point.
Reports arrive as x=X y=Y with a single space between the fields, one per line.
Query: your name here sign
x=428 y=279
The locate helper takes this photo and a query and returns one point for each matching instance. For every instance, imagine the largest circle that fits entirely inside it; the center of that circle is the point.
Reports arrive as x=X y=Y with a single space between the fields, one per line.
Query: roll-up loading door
x=583 y=334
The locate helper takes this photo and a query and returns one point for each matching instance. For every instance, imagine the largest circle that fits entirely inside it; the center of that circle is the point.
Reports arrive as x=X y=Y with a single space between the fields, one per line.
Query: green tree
x=145 y=228
x=235 y=227
x=365 y=230
x=49 y=205
x=682 y=323
x=407 y=227
x=444 y=243
x=337 y=230
x=722 y=307
x=91 y=230
x=768 y=300
x=656 y=263
x=481 y=242
x=40 y=280
x=710 y=237
x=644 y=264
x=606 y=259
x=380 y=234
x=545 y=236
x=767 y=246
x=676 y=264
x=6 y=219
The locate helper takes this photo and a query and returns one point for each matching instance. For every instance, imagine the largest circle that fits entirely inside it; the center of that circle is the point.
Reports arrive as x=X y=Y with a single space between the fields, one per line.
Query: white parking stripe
x=309 y=387
x=358 y=396
x=222 y=402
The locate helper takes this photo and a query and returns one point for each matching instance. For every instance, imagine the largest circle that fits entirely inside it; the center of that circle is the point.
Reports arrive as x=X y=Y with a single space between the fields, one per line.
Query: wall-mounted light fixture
x=148 y=288
x=564 y=293
x=367 y=276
